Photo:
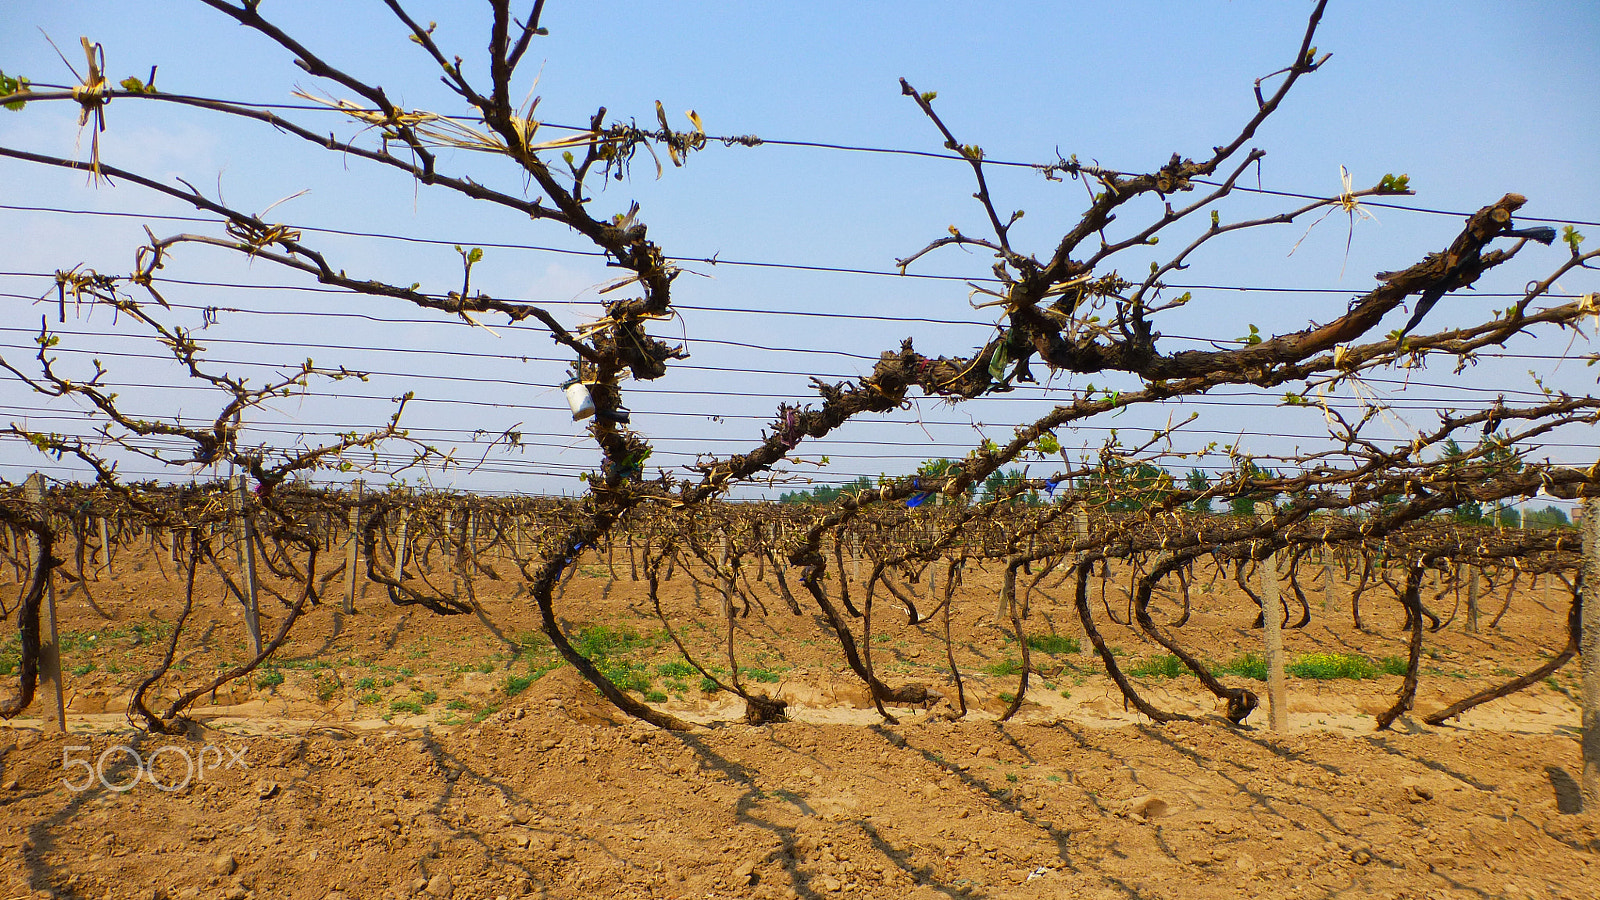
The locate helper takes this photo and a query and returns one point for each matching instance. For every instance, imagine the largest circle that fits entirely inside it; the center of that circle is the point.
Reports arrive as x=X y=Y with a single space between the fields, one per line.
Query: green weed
x=1165 y=666
x=1053 y=643
x=1392 y=665
x=327 y=686
x=603 y=640
x=270 y=678
x=1003 y=668
x=627 y=675
x=1328 y=666
x=516 y=684
x=764 y=676
x=1246 y=665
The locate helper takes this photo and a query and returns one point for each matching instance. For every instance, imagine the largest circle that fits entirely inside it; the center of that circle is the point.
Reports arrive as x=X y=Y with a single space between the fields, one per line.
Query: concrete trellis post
x=1327 y=581
x=1272 y=622
x=1472 y=599
x=1589 y=647
x=725 y=578
x=452 y=553
x=400 y=546
x=51 y=689
x=105 y=545
x=247 y=562
x=352 y=551
x=855 y=557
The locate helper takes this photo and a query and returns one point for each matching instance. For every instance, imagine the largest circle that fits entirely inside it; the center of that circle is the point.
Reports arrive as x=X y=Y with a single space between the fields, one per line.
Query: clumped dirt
x=394 y=753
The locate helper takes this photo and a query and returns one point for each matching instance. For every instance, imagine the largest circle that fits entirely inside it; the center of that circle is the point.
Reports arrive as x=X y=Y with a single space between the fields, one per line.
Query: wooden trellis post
x=1589 y=647
x=51 y=690
x=247 y=563
x=352 y=550
x=1272 y=622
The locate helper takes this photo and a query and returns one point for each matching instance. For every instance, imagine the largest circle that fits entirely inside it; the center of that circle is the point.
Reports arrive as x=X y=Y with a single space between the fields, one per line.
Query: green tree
x=1245 y=503
x=1003 y=482
x=1196 y=480
x=1551 y=516
x=824 y=493
x=1129 y=488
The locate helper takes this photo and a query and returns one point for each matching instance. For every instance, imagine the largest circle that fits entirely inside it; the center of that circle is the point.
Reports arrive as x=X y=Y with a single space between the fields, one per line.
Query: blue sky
x=1471 y=100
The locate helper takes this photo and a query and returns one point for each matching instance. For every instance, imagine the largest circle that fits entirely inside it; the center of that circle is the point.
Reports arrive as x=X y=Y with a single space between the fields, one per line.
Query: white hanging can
x=578 y=398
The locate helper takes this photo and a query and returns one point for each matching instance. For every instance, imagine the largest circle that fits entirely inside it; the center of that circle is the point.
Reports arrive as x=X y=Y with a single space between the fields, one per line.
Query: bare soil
x=396 y=753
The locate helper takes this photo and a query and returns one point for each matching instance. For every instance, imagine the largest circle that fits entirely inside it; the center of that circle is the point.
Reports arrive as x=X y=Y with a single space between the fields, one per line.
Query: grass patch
x=627 y=675
x=145 y=633
x=1245 y=665
x=1392 y=665
x=675 y=669
x=1003 y=668
x=605 y=641
x=655 y=697
x=270 y=678
x=1006 y=697
x=84 y=669
x=1328 y=666
x=531 y=640
x=707 y=686
x=1053 y=643
x=1165 y=666
x=458 y=705
x=516 y=684
x=327 y=686
x=765 y=676
x=369 y=699
x=409 y=705
x=304 y=664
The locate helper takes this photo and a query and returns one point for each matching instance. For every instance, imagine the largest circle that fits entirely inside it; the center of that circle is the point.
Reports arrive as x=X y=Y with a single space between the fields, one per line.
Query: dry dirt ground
x=395 y=753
